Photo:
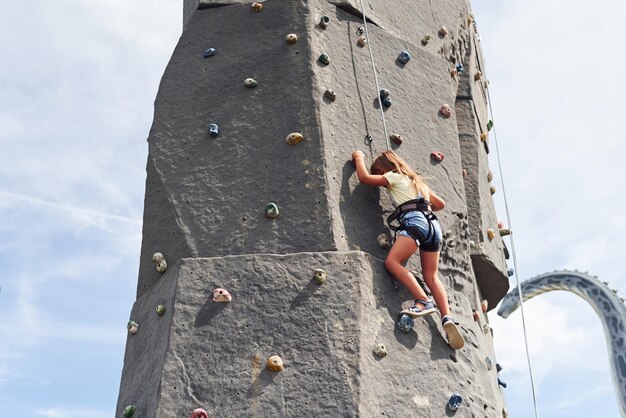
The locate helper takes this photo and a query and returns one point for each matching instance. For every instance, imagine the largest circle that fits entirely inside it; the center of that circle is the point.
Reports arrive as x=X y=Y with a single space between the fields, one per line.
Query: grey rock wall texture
x=204 y=210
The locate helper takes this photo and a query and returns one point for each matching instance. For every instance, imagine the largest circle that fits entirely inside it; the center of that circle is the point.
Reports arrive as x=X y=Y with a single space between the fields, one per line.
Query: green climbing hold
x=324 y=21
x=426 y=39
x=129 y=411
x=271 y=210
x=324 y=59
x=489 y=125
x=380 y=350
x=160 y=309
x=320 y=276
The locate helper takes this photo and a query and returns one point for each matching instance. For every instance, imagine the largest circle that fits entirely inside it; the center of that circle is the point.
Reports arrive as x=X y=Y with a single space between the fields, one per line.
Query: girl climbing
x=418 y=228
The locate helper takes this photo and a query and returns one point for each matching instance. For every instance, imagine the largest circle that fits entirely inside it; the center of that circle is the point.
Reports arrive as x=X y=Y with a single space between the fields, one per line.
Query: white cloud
x=73 y=413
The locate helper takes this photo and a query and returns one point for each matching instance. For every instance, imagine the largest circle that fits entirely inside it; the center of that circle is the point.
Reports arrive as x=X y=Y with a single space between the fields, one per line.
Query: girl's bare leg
x=430 y=270
x=402 y=249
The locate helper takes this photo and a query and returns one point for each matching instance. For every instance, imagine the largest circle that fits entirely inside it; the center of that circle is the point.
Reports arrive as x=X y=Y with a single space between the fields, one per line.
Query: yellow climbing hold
x=491 y=234
x=257 y=7
x=291 y=39
x=274 y=364
x=483 y=136
x=294 y=138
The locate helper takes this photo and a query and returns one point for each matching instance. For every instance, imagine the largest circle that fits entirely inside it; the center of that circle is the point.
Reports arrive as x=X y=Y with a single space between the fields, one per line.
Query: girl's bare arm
x=364 y=176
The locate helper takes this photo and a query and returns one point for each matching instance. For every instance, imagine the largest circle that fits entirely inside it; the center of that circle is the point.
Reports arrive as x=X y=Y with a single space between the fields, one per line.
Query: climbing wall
x=223 y=163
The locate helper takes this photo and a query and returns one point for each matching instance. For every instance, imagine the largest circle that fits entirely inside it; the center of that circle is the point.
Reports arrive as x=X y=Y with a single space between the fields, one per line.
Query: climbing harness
x=490 y=126
x=360 y=31
x=416 y=205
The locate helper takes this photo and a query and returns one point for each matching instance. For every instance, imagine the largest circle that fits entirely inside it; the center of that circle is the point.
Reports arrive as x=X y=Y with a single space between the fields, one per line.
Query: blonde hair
x=390 y=161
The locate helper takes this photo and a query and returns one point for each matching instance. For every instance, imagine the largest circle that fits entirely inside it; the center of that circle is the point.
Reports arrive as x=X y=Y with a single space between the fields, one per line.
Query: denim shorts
x=430 y=230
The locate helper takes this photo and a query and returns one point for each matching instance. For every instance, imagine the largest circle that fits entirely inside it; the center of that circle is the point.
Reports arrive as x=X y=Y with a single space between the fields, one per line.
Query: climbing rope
x=368 y=138
x=519 y=287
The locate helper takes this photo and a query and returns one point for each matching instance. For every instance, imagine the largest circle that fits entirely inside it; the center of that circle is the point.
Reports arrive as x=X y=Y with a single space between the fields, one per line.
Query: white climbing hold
x=291 y=38
x=443 y=31
x=362 y=41
x=380 y=350
x=161 y=264
x=221 y=295
x=383 y=241
x=132 y=327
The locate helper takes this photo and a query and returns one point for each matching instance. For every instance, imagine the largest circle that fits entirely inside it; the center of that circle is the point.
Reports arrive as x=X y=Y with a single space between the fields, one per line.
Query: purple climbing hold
x=209 y=52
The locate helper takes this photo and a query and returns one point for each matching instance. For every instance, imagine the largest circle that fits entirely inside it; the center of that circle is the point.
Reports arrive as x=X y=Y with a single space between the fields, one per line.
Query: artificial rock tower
x=204 y=210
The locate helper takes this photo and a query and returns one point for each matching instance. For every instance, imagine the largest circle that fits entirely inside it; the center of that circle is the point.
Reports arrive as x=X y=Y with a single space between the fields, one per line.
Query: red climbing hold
x=445 y=110
x=436 y=156
x=396 y=139
x=199 y=413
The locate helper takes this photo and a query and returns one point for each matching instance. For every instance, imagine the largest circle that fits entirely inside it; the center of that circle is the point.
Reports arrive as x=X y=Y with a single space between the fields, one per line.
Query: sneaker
x=415 y=311
x=455 y=339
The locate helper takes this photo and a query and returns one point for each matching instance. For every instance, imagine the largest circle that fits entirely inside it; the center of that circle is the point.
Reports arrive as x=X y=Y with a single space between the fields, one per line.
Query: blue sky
x=77 y=83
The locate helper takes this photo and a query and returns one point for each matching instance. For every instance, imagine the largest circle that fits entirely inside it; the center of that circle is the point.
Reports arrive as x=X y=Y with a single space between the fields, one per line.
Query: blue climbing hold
x=209 y=52
x=384 y=93
x=405 y=324
x=510 y=272
x=498 y=367
x=459 y=68
x=501 y=383
x=404 y=57
x=455 y=401
x=214 y=130
x=386 y=101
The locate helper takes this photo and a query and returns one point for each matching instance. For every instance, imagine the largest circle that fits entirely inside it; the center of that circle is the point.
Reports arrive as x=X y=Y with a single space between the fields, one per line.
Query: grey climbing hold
x=291 y=38
x=257 y=7
x=274 y=364
x=161 y=264
x=330 y=95
x=160 y=309
x=405 y=324
x=510 y=272
x=324 y=21
x=426 y=39
x=489 y=363
x=132 y=327
x=129 y=411
x=271 y=210
x=380 y=350
x=320 y=276
x=404 y=57
x=454 y=403
x=250 y=83
x=324 y=59
x=214 y=130
x=294 y=138
x=396 y=139
x=383 y=241
x=209 y=52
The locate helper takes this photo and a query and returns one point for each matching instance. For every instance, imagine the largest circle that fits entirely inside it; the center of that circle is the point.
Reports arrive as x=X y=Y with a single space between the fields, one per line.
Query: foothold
x=384 y=97
x=214 y=130
x=436 y=156
x=294 y=138
x=489 y=363
x=161 y=264
x=404 y=57
x=271 y=210
x=426 y=39
x=492 y=189
x=320 y=276
x=396 y=139
x=324 y=21
x=291 y=38
x=490 y=176
x=383 y=241
x=199 y=413
x=504 y=232
x=250 y=83
x=209 y=52
x=132 y=327
x=455 y=402
x=443 y=31
x=274 y=364
x=483 y=136
x=380 y=350
x=221 y=295
x=160 y=309
x=330 y=95
x=490 y=125
x=405 y=324
x=459 y=68
x=501 y=383
x=257 y=7
x=324 y=59
x=445 y=110
x=510 y=272
x=484 y=305
x=476 y=315
x=362 y=41
x=129 y=411
x=491 y=234
x=478 y=75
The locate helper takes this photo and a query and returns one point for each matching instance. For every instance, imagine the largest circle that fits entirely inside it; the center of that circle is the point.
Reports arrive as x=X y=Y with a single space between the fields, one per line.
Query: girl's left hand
x=356 y=154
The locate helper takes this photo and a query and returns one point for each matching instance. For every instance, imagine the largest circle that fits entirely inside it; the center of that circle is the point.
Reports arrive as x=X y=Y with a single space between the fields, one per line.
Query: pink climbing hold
x=445 y=110
x=221 y=295
x=199 y=413
x=500 y=225
x=436 y=156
